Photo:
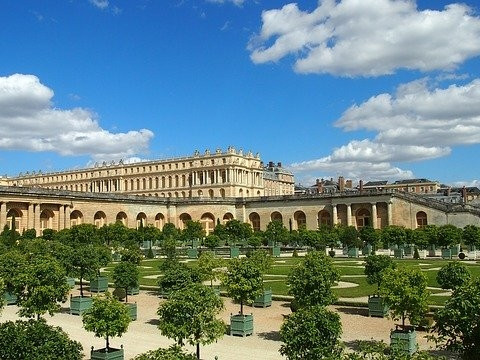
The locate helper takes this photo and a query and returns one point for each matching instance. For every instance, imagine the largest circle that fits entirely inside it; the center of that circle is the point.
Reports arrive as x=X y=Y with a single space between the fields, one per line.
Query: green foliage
x=378 y=350
x=393 y=234
x=458 y=323
x=404 y=291
x=133 y=256
x=237 y=231
x=176 y=277
x=125 y=276
x=329 y=236
x=190 y=315
x=48 y=234
x=106 y=318
x=369 y=235
x=374 y=267
x=174 y=352
x=12 y=264
x=453 y=275
x=311 y=333
x=150 y=254
x=311 y=238
x=312 y=279
x=254 y=241
x=168 y=248
x=193 y=230
x=29 y=234
x=348 y=236
x=431 y=232
x=262 y=260
x=35 y=340
x=40 y=286
x=208 y=267
x=114 y=234
x=416 y=255
x=212 y=241
x=243 y=281
x=448 y=235
x=276 y=232
x=169 y=230
x=471 y=235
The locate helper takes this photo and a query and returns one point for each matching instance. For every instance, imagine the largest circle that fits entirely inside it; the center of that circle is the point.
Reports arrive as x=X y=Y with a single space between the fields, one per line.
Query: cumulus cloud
x=101 y=4
x=416 y=123
x=235 y=2
x=28 y=121
x=368 y=37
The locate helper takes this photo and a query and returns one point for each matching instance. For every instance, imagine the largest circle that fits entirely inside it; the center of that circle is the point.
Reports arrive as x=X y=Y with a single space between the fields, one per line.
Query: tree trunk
x=81 y=285
x=241 y=307
x=126 y=295
x=198 y=350
x=108 y=343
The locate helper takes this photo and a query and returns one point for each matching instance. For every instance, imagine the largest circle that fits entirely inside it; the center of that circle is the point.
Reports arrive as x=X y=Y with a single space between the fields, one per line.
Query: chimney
x=270 y=164
x=348 y=184
x=317 y=182
x=279 y=164
x=449 y=189
x=464 y=194
x=341 y=184
x=360 y=184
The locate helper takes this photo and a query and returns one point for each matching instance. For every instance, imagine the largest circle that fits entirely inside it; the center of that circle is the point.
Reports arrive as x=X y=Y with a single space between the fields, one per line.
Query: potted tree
x=404 y=291
x=396 y=235
x=471 y=236
x=276 y=233
x=263 y=261
x=348 y=236
x=453 y=275
x=244 y=284
x=176 y=276
x=12 y=264
x=375 y=265
x=125 y=276
x=100 y=283
x=369 y=237
x=420 y=239
x=106 y=318
x=208 y=266
x=448 y=235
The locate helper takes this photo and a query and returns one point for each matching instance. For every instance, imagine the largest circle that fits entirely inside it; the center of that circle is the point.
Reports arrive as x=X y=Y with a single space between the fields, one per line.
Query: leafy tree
x=369 y=235
x=453 y=275
x=431 y=232
x=311 y=280
x=311 y=333
x=114 y=234
x=262 y=260
x=48 y=234
x=375 y=265
x=208 y=267
x=12 y=264
x=190 y=315
x=193 y=231
x=29 y=234
x=79 y=235
x=133 y=256
x=85 y=263
x=254 y=241
x=237 y=231
x=244 y=282
x=329 y=236
x=169 y=230
x=212 y=241
x=393 y=234
x=471 y=235
x=40 y=286
x=36 y=340
x=449 y=235
x=176 y=277
x=404 y=291
x=348 y=236
x=174 y=352
x=168 y=249
x=220 y=232
x=311 y=238
x=420 y=238
x=458 y=323
x=106 y=318
x=125 y=276
x=276 y=232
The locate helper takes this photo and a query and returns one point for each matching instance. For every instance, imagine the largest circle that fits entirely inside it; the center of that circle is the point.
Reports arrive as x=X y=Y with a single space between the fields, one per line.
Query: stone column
x=61 y=217
x=374 y=216
x=3 y=215
x=389 y=213
x=30 y=218
x=68 y=211
x=334 y=214
x=37 y=219
x=349 y=214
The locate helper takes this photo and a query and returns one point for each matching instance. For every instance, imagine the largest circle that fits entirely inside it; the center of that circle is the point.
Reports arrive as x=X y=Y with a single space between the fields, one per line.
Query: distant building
x=324 y=187
x=417 y=186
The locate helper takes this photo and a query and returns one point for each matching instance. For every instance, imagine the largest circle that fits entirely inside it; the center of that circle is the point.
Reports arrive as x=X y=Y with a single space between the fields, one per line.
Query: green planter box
x=398 y=253
x=241 y=325
x=404 y=340
x=103 y=354
x=132 y=310
x=192 y=253
x=146 y=244
x=78 y=304
x=455 y=250
x=446 y=253
x=133 y=290
x=352 y=252
x=275 y=251
x=234 y=252
x=9 y=298
x=367 y=250
x=409 y=250
x=99 y=284
x=71 y=282
x=264 y=300
x=376 y=307
x=194 y=243
x=431 y=250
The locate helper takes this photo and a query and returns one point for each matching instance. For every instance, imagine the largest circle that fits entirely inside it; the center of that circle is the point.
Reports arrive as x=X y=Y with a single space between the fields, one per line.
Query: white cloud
x=414 y=124
x=101 y=4
x=368 y=37
x=235 y=2
x=28 y=121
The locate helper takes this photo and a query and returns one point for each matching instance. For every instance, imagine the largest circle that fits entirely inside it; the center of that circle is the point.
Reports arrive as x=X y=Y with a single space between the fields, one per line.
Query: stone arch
x=183 y=220
x=141 y=218
x=222 y=193
x=76 y=218
x=228 y=216
x=159 y=221
x=363 y=218
x=200 y=193
x=240 y=193
x=324 y=218
x=46 y=219
x=210 y=193
x=422 y=219
x=122 y=218
x=17 y=213
x=100 y=219
x=276 y=216
x=208 y=222
x=300 y=219
x=254 y=221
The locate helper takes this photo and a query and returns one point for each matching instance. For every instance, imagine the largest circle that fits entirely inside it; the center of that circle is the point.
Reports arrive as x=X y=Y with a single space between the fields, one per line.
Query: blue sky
x=371 y=89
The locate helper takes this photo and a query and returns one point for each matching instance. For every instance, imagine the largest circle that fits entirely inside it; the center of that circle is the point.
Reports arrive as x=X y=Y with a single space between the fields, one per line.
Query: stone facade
x=210 y=175
x=59 y=209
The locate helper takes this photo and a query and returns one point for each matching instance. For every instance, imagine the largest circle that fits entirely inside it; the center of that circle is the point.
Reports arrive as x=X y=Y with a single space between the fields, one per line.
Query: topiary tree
x=12 y=264
x=243 y=281
x=40 y=286
x=208 y=267
x=369 y=235
x=276 y=232
x=420 y=238
x=348 y=236
x=189 y=315
x=236 y=230
x=106 y=318
x=311 y=281
x=375 y=265
x=404 y=291
x=458 y=323
x=311 y=333
x=212 y=241
x=176 y=277
x=125 y=276
x=471 y=235
x=174 y=352
x=193 y=231
x=393 y=234
x=36 y=340
x=448 y=235
x=453 y=275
